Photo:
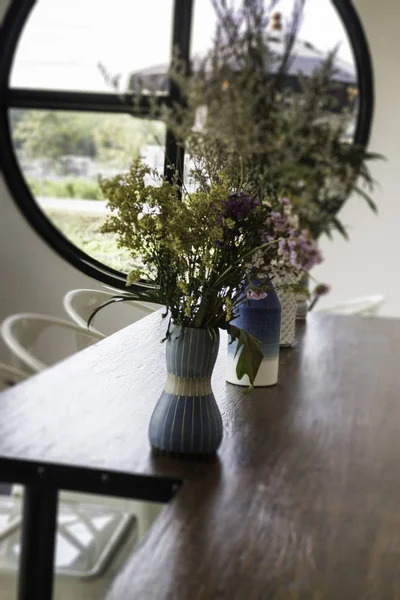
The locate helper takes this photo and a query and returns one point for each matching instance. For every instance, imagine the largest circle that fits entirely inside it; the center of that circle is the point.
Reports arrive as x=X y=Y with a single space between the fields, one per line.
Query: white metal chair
x=30 y=338
x=10 y=376
x=88 y=529
x=79 y=305
x=366 y=306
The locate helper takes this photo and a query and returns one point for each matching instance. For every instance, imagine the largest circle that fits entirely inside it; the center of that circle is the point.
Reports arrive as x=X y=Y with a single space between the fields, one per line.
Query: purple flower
x=279 y=221
x=322 y=289
x=236 y=208
x=312 y=256
x=239 y=205
x=301 y=250
x=293 y=258
x=266 y=237
x=284 y=201
x=256 y=294
x=282 y=246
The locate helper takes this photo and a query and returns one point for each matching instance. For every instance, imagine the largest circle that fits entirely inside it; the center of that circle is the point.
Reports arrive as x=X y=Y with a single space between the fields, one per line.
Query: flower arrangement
x=297 y=251
x=240 y=114
x=204 y=253
x=270 y=169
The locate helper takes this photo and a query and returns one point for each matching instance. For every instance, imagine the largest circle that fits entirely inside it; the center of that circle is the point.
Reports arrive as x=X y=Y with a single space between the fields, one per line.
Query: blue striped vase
x=186 y=419
x=261 y=318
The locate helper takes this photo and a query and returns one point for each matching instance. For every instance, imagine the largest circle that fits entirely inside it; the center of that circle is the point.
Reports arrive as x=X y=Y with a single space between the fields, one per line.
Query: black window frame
x=182 y=21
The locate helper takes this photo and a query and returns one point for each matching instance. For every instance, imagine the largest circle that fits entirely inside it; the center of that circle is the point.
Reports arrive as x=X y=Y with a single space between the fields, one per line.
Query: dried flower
x=294 y=142
x=197 y=249
x=322 y=289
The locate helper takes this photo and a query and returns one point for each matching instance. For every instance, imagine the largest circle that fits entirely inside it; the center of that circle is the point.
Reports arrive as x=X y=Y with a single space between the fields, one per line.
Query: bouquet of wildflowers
x=241 y=115
x=203 y=253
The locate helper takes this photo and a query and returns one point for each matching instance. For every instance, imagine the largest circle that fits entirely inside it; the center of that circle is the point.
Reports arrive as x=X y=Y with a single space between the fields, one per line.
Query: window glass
x=62 y=154
x=91 y=45
x=115 y=47
x=321 y=30
x=322 y=27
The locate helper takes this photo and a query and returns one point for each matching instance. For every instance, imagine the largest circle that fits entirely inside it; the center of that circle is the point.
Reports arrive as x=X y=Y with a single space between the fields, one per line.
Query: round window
x=67 y=85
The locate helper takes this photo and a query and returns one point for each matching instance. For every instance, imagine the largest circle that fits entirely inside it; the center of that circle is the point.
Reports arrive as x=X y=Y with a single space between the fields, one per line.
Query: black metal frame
x=13 y=23
x=42 y=483
x=25 y=98
x=38 y=537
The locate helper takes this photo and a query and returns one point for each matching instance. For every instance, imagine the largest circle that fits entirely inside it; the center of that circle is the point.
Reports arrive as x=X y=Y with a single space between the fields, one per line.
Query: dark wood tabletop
x=303 y=500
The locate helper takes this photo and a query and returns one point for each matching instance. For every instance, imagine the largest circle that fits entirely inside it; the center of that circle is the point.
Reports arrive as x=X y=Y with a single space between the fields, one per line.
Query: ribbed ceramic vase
x=288 y=299
x=186 y=419
x=261 y=318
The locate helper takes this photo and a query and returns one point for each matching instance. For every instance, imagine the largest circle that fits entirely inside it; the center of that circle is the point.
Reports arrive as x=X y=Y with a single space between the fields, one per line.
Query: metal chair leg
x=39 y=524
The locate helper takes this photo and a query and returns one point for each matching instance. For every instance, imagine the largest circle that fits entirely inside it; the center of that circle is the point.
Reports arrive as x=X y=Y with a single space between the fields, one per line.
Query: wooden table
x=303 y=500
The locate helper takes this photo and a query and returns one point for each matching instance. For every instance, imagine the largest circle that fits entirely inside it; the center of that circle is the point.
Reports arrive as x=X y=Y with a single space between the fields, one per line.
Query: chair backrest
x=79 y=305
x=366 y=306
x=10 y=376
x=38 y=341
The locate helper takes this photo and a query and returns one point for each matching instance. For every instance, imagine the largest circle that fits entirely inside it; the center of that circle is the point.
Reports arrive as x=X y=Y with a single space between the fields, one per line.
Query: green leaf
x=250 y=357
x=103 y=305
x=340 y=227
x=374 y=156
x=367 y=198
x=126 y=297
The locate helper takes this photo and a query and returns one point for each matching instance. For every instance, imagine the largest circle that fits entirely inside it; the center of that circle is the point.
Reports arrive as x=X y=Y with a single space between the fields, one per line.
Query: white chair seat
x=79 y=305
x=10 y=376
x=366 y=306
x=30 y=339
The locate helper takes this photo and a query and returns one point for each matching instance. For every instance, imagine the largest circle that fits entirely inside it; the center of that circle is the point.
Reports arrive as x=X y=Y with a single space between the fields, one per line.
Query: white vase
x=302 y=307
x=288 y=300
x=302 y=300
x=262 y=319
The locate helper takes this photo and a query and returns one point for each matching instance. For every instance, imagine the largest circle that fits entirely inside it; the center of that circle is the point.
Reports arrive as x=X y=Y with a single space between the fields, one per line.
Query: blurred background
x=87 y=47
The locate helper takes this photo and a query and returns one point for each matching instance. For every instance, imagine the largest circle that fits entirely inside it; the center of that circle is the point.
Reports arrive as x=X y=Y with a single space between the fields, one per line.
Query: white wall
x=369 y=263
x=34 y=278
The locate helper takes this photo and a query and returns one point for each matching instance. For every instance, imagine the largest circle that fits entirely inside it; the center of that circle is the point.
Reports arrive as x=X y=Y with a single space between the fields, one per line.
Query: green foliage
x=250 y=355
x=71 y=187
x=51 y=135
x=119 y=140
x=176 y=240
x=198 y=249
x=259 y=129
x=148 y=295
x=84 y=232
